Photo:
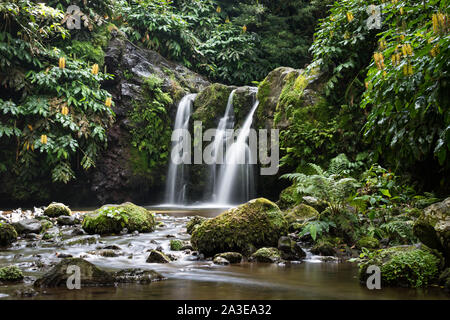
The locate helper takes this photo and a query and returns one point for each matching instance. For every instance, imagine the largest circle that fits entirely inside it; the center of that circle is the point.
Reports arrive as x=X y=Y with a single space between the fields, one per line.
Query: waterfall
x=236 y=179
x=176 y=182
x=218 y=151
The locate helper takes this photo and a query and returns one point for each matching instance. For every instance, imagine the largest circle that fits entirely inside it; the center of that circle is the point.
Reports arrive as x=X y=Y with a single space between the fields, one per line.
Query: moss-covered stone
x=11 y=274
x=289 y=197
x=210 y=104
x=405 y=266
x=176 y=245
x=90 y=274
x=243 y=100
x=266 y=255
x=243 y=229
x=156 y=256
x=433 y=227
x=8 y=234
x=111 y=219
x=300 y=213
x=289 y=249
x=368 y=242
x=324 y=247
x=231 y=257
x=194 y=223
x=56 y=209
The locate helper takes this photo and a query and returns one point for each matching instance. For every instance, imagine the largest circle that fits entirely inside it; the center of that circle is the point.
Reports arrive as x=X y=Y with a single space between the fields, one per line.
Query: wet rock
x=221 y=261
x=83 y=240
x=105 y=221
x=137 y=276
x=78 y=231
x=187 y=247
x=8 y=234
x=56 y=209
x=107 y=253
x=266 y=255
x=290 y=250
x=28 y=226
x=231 y=257
x=111 y=247
x=67 y=220
x=433 y=227
x=90 y=274
x=25 y=293
x=193 y=223
x=170 y=236
x=64 y=256
x=157 y=257
x=444 y=280
x=11 y=274
x=255 y=224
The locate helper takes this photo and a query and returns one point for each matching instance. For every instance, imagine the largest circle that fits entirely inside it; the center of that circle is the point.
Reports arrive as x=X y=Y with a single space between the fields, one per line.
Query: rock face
x=113 y=218
x=433 y=227
x=115 y=178
x=90 y=274
x=405 y=266
x=56 y=209
x=28 y=226
x=8 y=234
x=243 y=229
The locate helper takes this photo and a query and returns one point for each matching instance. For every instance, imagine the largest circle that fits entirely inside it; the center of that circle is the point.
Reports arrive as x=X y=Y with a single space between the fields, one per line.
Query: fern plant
x=331 y=186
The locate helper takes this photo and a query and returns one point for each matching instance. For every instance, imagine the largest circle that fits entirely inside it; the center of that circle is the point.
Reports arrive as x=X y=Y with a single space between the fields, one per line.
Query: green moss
x=289 y=197
x=57 y=209
x=46 y=224
x=324 y=247
x=266 y=255
x=194 y=223
x=301 y=212
x=11 y=274
x=210 y=104
x=86 y=50
x=257 y=223
x=111 y=219
x=368 y=242
x=176 y=245
x=7 y=234
x=404 y=266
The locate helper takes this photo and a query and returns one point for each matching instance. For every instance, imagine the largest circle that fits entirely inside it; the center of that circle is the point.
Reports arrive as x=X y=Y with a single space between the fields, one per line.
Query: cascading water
x=225 y=123
x=236 y=180
x=176 y=177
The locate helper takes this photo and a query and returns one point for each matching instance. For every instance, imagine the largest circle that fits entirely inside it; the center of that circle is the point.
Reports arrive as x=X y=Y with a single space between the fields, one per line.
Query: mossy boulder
x=404 y=266
x=243 y=100
x=324 y=247
x=90 y=274
x=176 y=245
x=11 y=274
x=112 y=219
x=266 y=255
x=255 y=224
x=137 y=276
x=8 y=234
x=289 y=198
x=368 y=243
x=156 y=256
x=210 y=104
x=231 y=257
x=433 y=227
x=289 y=249
x=300 y=213
x=194 y=223
x=56 y=209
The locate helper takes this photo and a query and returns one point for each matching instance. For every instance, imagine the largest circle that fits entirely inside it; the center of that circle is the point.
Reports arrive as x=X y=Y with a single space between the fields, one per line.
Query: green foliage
x=317 y=228
x=11 y=273
x=408 y=99
x=331 y=186
x=151 y=129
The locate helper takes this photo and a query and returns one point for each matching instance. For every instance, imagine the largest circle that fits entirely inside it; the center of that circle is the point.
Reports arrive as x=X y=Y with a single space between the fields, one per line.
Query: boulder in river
x=7 y=234
x=300 y=213
x=67 y=220
x=289 y=249
x=56 y=209
x=90 y=274
x=112 y=219
x=221 y=261
x=137 y=276
x=193 y=223
x=231 y=257
x=404 y=266
x=266 y=255
x=156 y=256
x=433 y=227
x=255 y=224
x=28 y=226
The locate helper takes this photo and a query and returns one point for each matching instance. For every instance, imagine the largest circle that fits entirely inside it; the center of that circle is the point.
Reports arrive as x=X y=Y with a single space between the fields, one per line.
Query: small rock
x=137 y=276
x=64 y=255
x=231 y=257
x=157 y=257
x=28 y=226
x=67 y=220
x=221 y=261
